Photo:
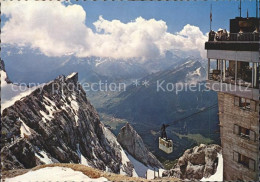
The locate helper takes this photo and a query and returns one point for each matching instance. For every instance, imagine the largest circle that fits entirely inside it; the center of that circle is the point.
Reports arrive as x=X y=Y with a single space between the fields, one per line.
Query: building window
x=244 y=103
x=244 y=132
x=236 y=102
x=253 y=105
x=244 y=160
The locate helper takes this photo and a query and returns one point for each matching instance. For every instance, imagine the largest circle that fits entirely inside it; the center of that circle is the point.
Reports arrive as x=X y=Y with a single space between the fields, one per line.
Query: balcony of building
x=234 y=72
x=242 y=41
x=222 y=35
x=238 y=77
x=243 y=36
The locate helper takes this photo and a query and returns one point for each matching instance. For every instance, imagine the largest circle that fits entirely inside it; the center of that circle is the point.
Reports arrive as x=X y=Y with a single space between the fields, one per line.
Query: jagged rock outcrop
x=196 y=163
x=2 y=67
x=134 y=145
x=57 y=123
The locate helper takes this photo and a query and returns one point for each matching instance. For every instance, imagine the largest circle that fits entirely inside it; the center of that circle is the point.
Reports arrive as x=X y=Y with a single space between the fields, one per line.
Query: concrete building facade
x=233 y=71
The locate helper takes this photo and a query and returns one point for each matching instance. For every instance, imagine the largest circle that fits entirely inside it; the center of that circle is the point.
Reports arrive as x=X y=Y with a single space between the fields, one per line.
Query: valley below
x=94 y=119
x=147 y=109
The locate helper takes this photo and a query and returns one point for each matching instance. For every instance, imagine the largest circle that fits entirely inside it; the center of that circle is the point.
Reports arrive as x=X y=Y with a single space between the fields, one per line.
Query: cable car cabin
x=165 y=145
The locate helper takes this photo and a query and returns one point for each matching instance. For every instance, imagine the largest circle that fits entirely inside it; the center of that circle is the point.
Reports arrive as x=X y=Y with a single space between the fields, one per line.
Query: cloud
x=57 y=29
x=50 y=26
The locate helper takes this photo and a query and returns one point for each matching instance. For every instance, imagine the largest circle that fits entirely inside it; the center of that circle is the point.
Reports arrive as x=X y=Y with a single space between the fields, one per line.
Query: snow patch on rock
x=140 y=168
x=197 y=163
x=71 y=75
x=10 y=93
x=218 y=176
x=24 y=129
x=55 y=174
x=125 y=159
x=197 y=72
x=131 y=141
x=45 y=116
x=75 y=107
x=49 y=100
x=44 y=157
x=83 y=160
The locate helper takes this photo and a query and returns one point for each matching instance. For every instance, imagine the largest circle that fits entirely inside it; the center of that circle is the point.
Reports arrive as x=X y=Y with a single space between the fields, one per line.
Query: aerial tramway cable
x=165 y=144
x=186 y=117
x=203 y=110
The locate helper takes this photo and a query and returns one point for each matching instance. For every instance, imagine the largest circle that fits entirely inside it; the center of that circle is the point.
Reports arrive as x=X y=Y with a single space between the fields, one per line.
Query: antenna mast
x=210 y=16
x=240 y=9
x=256 y=11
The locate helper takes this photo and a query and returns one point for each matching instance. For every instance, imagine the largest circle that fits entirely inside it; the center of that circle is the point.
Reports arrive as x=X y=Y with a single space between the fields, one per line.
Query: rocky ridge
x=57 y=124
x=2 y=67
x=134 y=145
x=196 y=163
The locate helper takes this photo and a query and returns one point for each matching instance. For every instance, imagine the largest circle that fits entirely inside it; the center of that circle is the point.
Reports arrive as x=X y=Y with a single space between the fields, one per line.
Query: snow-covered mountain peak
x=56 y=123
x=10 y=92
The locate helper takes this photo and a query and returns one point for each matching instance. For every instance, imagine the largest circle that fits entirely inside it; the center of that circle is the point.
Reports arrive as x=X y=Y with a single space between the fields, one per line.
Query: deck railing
x=213 y=36
x=215 y=75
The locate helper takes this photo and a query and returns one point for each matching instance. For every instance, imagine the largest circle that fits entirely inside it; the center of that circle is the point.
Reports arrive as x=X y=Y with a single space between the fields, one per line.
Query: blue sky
x=175 y=14
x=57 y=29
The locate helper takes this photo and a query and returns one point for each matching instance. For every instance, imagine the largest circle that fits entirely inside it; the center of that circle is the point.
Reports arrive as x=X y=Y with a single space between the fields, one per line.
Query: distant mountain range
x=48 y=126
x=142 y=106
x=27 y=65
x=147 y=109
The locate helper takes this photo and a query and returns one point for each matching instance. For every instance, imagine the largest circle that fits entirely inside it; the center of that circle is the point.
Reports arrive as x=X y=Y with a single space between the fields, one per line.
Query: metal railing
x=233 y=36
x=215 y=76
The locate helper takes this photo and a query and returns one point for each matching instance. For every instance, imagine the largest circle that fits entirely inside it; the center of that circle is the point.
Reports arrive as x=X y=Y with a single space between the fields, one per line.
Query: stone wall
x=229 y=115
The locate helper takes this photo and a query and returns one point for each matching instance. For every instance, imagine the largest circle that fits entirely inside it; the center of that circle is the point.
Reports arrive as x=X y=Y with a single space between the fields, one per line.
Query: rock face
x=2 y=67
x=134 y=145
x=196 y=163
x=56 y=123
